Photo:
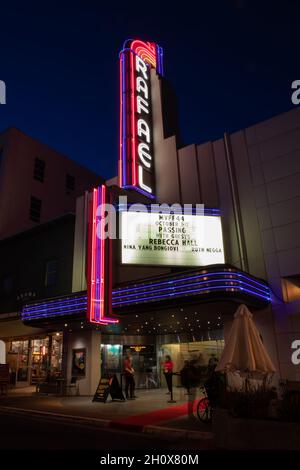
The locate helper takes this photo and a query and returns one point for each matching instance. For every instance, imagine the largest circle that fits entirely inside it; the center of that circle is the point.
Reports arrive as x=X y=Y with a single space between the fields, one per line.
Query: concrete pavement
x=149 y=413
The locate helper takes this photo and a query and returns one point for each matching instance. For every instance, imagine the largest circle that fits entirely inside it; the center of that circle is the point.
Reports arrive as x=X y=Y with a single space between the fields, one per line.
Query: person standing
x=193 y=380
x=168 y=372
x=129 y=378
x=184 y=376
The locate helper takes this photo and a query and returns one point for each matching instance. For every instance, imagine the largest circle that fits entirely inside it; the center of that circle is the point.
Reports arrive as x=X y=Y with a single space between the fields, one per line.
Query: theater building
x=169 y=283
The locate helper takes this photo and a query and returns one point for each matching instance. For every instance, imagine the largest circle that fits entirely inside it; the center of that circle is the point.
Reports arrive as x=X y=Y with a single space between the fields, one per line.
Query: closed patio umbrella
x=244 y=350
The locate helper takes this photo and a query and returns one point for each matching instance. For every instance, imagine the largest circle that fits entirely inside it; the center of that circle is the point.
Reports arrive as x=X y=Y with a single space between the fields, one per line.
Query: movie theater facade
x=193 y=233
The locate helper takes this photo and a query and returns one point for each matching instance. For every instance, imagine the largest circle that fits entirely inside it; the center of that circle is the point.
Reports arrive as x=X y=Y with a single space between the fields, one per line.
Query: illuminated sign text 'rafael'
x=136 y=163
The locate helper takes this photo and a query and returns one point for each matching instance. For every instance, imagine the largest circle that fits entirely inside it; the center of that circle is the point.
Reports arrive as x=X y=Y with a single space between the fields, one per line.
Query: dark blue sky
x=231 y=64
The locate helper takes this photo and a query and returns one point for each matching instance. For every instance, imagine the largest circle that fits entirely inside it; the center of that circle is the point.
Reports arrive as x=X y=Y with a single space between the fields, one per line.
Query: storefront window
x=18 y=359
x=32 y=360
x=144 y=364
x=111 y=359
x=204 y=352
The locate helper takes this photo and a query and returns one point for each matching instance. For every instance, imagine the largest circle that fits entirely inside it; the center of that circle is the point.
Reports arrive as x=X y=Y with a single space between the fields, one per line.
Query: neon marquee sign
x=136 y=163
x=99 y=276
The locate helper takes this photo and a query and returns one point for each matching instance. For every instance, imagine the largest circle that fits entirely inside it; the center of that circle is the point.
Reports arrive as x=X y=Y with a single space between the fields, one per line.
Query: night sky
x=231 y=64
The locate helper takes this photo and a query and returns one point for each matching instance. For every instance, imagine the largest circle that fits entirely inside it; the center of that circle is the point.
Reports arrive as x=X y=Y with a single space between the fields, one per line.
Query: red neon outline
x=102 y=255
x=121 y=126
x=110 y=264
x=98 y=302
x=145 y=50
x=89 y=260
x=93 y=278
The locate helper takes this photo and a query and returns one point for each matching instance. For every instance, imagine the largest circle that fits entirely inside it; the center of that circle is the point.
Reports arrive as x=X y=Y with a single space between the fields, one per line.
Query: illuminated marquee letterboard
x=156 y=239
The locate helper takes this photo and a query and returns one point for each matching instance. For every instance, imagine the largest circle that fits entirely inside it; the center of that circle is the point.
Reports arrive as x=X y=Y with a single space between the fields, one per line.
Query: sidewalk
x=150 y=412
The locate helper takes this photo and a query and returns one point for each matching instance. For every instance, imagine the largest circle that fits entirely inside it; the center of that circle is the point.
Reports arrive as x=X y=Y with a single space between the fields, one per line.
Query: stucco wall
x=91 y=341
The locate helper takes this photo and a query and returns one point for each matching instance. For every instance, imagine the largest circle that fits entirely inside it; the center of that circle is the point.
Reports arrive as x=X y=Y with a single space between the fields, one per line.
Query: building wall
x=80 y=245
x=23 y=263
x=189 y=177
x=274 y=155
x=266 y=159
x=273 y=149
x=91 y=341
x=166 y=161
x=17 y=183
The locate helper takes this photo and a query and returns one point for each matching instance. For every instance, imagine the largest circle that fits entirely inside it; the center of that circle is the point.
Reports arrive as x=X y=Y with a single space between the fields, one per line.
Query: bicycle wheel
x=204 y=410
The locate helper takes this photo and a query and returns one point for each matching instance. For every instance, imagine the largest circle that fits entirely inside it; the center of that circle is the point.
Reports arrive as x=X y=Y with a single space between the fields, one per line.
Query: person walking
x=193 y=380
x=129 y=378
x=168 y=372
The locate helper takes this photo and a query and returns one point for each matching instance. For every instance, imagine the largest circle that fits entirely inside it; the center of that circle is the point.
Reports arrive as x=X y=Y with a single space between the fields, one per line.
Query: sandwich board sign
x=108 y=385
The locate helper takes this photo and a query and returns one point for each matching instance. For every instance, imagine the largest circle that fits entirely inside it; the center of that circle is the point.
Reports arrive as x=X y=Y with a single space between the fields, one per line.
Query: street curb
x=100 y=422
x=161 y=431
x=180 y=433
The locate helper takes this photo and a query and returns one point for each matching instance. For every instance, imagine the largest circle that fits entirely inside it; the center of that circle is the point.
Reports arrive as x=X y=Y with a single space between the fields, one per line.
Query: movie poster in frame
x=78 y=362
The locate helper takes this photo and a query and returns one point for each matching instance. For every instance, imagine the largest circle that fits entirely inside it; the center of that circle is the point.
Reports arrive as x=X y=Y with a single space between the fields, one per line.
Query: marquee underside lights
x=99 y=276
x=136 y=163
x=200 y=284
x=221 y=283
x=63 y=306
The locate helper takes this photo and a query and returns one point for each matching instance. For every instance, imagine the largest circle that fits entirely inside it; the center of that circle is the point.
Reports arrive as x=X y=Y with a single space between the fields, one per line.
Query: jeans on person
x=129 y=385
x=168 y=376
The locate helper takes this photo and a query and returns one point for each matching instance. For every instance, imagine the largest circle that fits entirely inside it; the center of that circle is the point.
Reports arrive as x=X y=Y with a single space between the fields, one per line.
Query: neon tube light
x=121 y=124
x=98 y=250
x=26 y=315
x=153 y=289
x=69 y=306
x=58 y=303
x=188 y=278
x=151 y=56
x=63 y=306
x=231 y=282
x=176 y=294
x=78 y=304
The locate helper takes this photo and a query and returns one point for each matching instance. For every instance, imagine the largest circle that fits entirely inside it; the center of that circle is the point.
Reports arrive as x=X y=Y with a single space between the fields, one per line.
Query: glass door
x=39 y=363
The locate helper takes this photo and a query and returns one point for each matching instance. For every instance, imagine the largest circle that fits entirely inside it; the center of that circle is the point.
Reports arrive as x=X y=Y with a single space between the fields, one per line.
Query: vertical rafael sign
x=136 y=165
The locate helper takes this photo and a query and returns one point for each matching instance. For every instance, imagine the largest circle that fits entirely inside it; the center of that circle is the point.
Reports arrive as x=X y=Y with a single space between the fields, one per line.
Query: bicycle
x=204 y=409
